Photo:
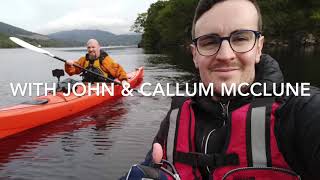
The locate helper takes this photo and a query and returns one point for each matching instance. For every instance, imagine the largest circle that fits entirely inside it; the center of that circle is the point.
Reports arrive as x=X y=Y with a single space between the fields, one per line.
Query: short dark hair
x=205 y=5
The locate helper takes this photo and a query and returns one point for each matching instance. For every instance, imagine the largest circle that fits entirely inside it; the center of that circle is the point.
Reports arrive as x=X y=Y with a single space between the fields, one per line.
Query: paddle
x=42 y=51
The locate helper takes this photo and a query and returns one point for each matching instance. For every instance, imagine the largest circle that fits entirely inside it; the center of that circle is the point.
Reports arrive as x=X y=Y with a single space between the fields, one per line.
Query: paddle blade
x=29 y=46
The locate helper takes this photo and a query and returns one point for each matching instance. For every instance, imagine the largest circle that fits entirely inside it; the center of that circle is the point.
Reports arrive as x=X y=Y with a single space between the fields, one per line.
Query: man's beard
x=92 y=57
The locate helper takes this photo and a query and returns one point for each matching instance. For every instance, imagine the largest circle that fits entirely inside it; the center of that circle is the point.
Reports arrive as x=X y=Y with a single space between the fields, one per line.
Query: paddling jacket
x=206 y=139
x=104 y=65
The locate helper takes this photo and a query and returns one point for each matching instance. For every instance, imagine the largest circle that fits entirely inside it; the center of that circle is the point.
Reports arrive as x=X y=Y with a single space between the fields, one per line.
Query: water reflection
x=65 y=138
x=298 y=65
x=177 y=62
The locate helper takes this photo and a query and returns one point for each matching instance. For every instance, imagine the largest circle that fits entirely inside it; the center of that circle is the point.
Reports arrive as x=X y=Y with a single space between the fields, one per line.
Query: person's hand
x=70 y=62
x=157 y=153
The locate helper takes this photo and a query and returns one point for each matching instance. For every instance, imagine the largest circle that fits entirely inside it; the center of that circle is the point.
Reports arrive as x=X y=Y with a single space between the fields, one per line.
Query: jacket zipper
x=225 y=115
x=225 y=111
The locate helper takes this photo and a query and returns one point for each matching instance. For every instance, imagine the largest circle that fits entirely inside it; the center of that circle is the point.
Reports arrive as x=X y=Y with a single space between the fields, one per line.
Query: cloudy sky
x=48 y=16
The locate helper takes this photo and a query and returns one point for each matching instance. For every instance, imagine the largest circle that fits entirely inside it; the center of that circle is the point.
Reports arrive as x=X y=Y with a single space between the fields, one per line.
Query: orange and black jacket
x=109 y=67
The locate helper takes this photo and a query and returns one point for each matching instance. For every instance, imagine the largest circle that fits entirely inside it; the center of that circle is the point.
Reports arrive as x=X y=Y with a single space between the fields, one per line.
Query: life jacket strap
x=213 y=160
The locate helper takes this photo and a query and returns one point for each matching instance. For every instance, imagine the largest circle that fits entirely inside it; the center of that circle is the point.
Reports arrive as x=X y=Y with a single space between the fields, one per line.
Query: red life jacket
x=252 y=152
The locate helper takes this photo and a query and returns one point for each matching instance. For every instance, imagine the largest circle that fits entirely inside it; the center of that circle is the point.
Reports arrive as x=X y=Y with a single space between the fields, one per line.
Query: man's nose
x=225 y=52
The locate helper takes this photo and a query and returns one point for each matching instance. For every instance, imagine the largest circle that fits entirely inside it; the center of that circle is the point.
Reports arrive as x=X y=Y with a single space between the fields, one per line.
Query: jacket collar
x=267 y=71
x=103 y=55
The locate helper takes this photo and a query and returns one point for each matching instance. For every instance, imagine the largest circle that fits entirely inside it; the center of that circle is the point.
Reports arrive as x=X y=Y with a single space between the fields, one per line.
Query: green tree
x=139 y=23
x=175 y=22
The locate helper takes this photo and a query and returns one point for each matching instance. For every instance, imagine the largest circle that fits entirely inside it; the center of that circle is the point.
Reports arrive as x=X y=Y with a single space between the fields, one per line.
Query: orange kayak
x=18 y=118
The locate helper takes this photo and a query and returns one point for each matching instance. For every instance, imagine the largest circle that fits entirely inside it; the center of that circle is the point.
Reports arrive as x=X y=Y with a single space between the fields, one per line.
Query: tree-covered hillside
x=168 y=23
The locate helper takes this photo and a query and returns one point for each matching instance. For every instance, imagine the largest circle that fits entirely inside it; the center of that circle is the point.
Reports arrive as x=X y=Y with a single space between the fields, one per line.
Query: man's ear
x=194 y=54
x=259 y=49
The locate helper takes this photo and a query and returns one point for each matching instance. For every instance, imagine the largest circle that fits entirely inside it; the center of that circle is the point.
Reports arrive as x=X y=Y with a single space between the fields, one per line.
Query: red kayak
x=18 y=118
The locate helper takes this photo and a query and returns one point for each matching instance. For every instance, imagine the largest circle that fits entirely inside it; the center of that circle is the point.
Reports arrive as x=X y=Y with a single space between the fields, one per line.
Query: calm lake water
x=104 y=141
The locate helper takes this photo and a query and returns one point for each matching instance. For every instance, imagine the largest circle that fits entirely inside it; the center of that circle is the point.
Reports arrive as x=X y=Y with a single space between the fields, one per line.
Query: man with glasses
x=235 y=137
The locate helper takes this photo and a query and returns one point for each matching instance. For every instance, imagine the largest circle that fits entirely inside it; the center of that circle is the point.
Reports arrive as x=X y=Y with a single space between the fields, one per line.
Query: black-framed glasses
x=240 y=41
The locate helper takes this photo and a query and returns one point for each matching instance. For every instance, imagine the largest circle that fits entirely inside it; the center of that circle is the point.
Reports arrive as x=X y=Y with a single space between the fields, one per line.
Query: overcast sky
x=48 y=16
